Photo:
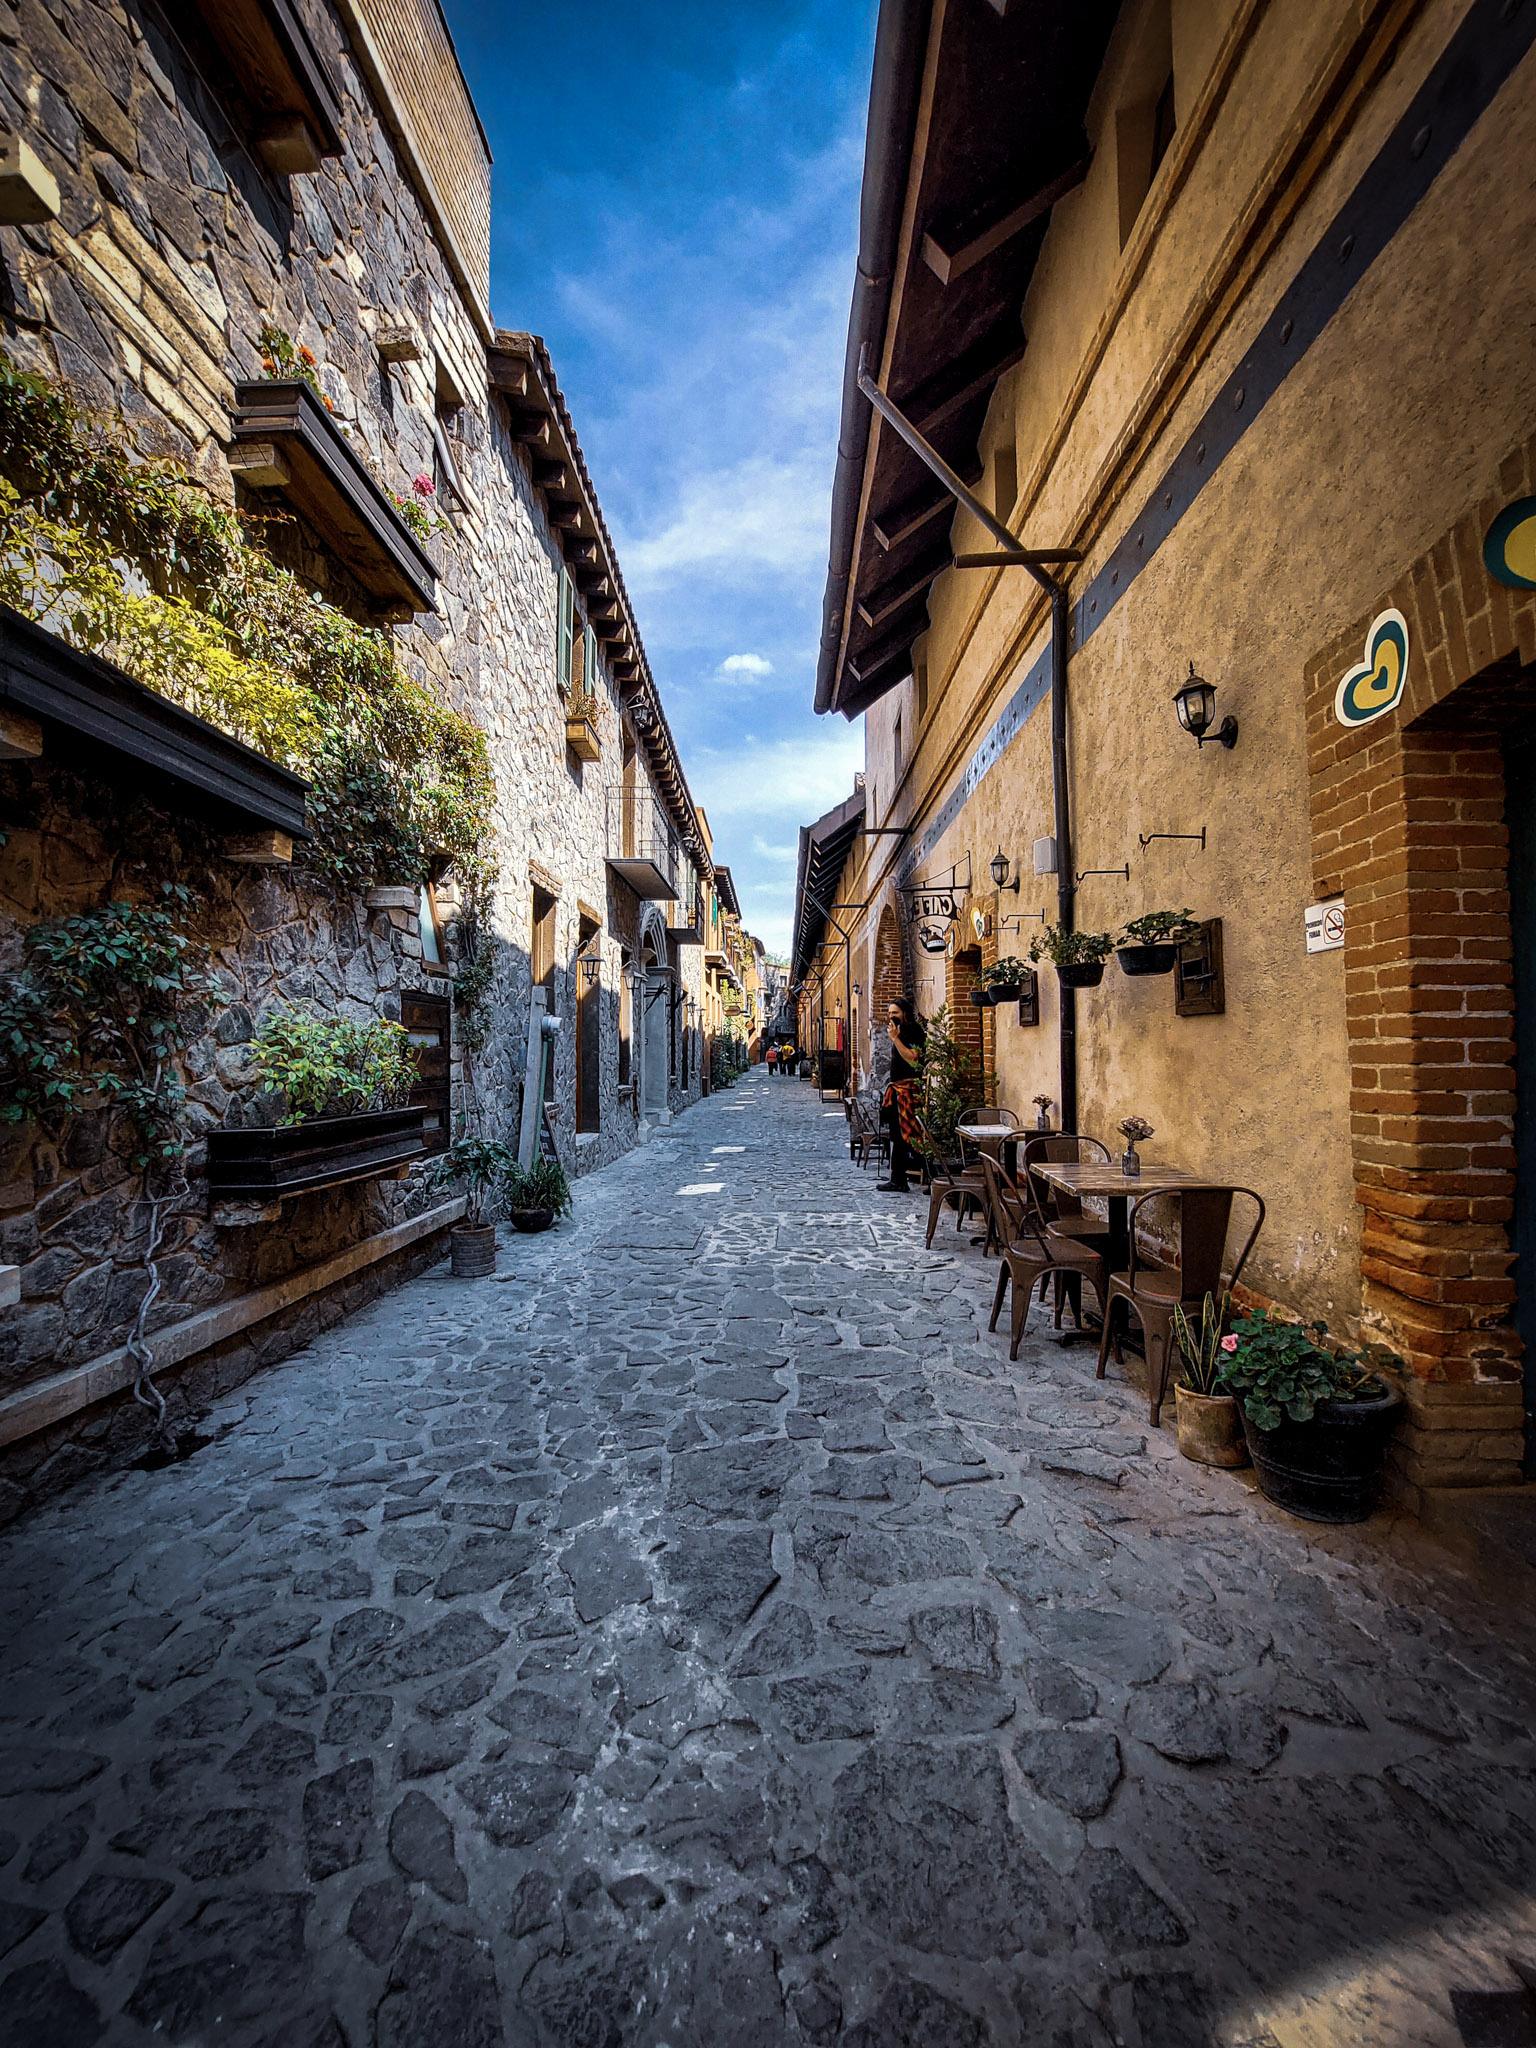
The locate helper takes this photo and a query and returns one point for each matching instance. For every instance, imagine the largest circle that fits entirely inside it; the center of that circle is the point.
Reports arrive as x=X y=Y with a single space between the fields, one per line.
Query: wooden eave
x=282 y=439
x=278 y=67
x=130 y=733
x=998 y=143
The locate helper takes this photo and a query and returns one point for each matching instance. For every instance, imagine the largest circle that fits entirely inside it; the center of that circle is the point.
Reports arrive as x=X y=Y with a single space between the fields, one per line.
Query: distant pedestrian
x=898 y=1109
x=771 y=1060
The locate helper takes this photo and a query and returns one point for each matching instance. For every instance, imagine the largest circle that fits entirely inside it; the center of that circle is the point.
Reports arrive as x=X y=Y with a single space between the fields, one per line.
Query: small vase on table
x=1136 y=1130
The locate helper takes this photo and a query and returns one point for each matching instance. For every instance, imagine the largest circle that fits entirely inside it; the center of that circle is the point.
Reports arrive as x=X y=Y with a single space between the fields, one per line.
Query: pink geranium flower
x=1229 y=1343
x=423 y=486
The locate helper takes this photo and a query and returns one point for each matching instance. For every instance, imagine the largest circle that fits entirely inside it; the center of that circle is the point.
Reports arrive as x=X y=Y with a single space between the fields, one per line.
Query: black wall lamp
x=1000 y=868
x=1195 y=702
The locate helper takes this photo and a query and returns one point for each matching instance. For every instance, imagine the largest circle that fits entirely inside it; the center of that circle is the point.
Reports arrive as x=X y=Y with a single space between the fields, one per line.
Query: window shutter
x=567 y=649
x=589 y=660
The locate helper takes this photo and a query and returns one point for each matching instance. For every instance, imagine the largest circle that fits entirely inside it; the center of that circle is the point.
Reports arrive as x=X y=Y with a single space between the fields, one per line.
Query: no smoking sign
x=1325 y=926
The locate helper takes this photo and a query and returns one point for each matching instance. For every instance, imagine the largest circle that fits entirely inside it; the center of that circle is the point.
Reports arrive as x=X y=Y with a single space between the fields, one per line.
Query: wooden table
x=1001 y=1140
x=1103 y=1179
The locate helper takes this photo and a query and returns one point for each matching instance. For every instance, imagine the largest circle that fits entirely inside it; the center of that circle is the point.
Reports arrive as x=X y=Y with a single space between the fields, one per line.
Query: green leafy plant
x=483 y=1166
x=1070 y=949
x=945 y=1084
x=1281 y=1370
x=1157 y=928
x=1204 y=1359
x=99 y=1016
x=540 y=1186
x=1008 y=972
x=474 y=975
x=332 y=1066
x=130 y=560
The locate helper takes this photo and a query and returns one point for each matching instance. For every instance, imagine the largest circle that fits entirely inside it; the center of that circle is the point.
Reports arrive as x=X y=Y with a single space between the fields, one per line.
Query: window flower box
x=283 y=440
x=274 y=1163
x=582 y=738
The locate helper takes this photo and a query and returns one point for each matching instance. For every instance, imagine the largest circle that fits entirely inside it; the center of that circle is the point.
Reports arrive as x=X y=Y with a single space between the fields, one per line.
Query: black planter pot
x=1000 y=992
x=1080 y=973
x=983 y=998
x=273 y=1163
x=530 y=1220
x=1328 y=1469
x=1158 y=959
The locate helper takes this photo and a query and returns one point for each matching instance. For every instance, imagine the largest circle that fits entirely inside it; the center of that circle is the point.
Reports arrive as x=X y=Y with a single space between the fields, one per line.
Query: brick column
x=1408 y=825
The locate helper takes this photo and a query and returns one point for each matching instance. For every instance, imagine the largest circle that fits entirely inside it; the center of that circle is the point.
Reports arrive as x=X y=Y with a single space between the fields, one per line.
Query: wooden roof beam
x=551 y=473
x=895 y=595
x=950 y=252
x=881 y=654
x=911 y=517
x=936 y=401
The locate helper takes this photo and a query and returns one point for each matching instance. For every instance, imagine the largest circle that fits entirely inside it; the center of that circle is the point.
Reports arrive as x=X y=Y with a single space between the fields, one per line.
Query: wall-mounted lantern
x=1001 y=866
x=1195 y=702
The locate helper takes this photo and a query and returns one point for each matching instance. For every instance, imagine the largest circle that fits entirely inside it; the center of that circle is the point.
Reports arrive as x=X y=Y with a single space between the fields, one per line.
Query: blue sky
x=675 y=197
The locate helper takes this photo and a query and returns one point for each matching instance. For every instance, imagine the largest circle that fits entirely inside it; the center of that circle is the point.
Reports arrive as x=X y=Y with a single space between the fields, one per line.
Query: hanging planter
x=1005 y=980
x=1078 y=957
x=983 y=998
x=1150 y=944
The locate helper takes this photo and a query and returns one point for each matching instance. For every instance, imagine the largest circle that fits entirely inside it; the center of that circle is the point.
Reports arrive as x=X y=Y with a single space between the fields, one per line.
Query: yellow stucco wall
x=1392 y=422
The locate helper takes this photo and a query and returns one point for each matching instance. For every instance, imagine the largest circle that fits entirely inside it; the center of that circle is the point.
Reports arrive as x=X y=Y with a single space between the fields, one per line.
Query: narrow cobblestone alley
x=703 y=1635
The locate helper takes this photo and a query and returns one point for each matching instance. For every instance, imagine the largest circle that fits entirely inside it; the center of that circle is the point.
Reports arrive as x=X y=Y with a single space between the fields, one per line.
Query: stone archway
x=890 y=979
x=653 y=991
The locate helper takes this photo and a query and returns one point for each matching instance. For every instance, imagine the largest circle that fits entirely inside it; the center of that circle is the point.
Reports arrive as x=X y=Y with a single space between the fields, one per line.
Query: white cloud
x=760 y=516
x=755 y=665
x=764 y=851
x=790 y=781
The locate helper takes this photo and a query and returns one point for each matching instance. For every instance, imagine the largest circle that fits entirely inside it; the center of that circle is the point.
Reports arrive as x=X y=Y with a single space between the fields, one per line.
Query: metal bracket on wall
x=1124 y=873
x=1019 y=918
x=1146 y=838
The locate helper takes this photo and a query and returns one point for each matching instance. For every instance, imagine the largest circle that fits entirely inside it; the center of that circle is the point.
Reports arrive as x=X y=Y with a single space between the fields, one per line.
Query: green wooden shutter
x=567 y=650
x=589 y=661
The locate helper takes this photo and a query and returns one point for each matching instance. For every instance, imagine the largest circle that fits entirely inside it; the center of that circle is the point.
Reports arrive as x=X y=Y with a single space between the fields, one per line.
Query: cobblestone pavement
x=703 y=1635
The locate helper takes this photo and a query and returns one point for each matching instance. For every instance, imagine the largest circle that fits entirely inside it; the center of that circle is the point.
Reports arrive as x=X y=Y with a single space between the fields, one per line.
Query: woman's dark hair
x=911 y=1024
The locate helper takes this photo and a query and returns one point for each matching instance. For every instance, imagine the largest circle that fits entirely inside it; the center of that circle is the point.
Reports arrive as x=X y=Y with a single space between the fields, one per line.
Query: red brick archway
x=1408 y=825
x=891 y=979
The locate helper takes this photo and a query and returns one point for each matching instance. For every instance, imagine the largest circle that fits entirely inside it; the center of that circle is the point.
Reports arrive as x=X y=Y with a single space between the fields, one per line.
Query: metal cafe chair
x=1202 y=1224
x=1031 y=1252
x=1064 y=1212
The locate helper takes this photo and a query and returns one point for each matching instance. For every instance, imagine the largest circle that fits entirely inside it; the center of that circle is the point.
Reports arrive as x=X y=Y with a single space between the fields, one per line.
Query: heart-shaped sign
x=1509 y=550
x=1375 y=686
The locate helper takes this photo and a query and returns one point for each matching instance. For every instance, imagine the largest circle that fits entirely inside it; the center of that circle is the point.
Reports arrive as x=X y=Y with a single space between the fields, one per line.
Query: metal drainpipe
x=1066 y=884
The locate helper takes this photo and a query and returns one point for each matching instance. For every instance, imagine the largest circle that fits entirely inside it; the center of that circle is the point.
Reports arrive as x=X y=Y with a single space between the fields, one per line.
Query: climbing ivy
x=130 y=559
x=98 y=1017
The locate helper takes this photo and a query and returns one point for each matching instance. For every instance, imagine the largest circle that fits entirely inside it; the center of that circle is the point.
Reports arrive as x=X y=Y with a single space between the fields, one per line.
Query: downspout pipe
x=1066 y=874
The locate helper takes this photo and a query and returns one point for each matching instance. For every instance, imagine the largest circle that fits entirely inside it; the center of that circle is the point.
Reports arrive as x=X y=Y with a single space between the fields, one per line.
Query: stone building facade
x=176 y=187
x=1234 y=327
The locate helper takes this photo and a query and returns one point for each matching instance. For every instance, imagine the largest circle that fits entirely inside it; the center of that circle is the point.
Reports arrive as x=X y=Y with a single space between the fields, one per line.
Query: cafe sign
x=1509 y=546
x=934 y=914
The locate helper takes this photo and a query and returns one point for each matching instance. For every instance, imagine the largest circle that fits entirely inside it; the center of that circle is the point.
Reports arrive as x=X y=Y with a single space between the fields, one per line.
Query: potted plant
x=537 y=1194
x=1136 y=1130
x=583 y=725
x=482 y=1167
x=1210 y=1429
x=1002 y=982
x=333 y=1108
x=1078 y=957
x=1317 y=1421
x=1150 y=944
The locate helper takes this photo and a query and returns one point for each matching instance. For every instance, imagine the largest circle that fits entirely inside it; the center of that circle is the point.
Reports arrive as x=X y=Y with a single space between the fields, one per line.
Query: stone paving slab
x=701 y=1634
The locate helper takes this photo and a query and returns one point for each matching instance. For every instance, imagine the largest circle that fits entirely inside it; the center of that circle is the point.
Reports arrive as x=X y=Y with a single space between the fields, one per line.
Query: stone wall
x=173 y=245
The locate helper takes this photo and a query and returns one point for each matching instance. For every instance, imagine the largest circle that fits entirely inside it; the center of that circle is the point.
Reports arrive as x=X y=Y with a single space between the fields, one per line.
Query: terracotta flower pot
x=472 y=1251
x=1210 y=1428
x=530 y=1220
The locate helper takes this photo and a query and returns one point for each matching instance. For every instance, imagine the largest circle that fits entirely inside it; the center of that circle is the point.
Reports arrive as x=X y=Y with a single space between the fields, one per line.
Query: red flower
x=423 y=486
x=307 y=356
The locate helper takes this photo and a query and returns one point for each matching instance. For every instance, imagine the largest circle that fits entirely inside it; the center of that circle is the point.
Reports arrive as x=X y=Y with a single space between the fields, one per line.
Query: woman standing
x=898 y=1106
